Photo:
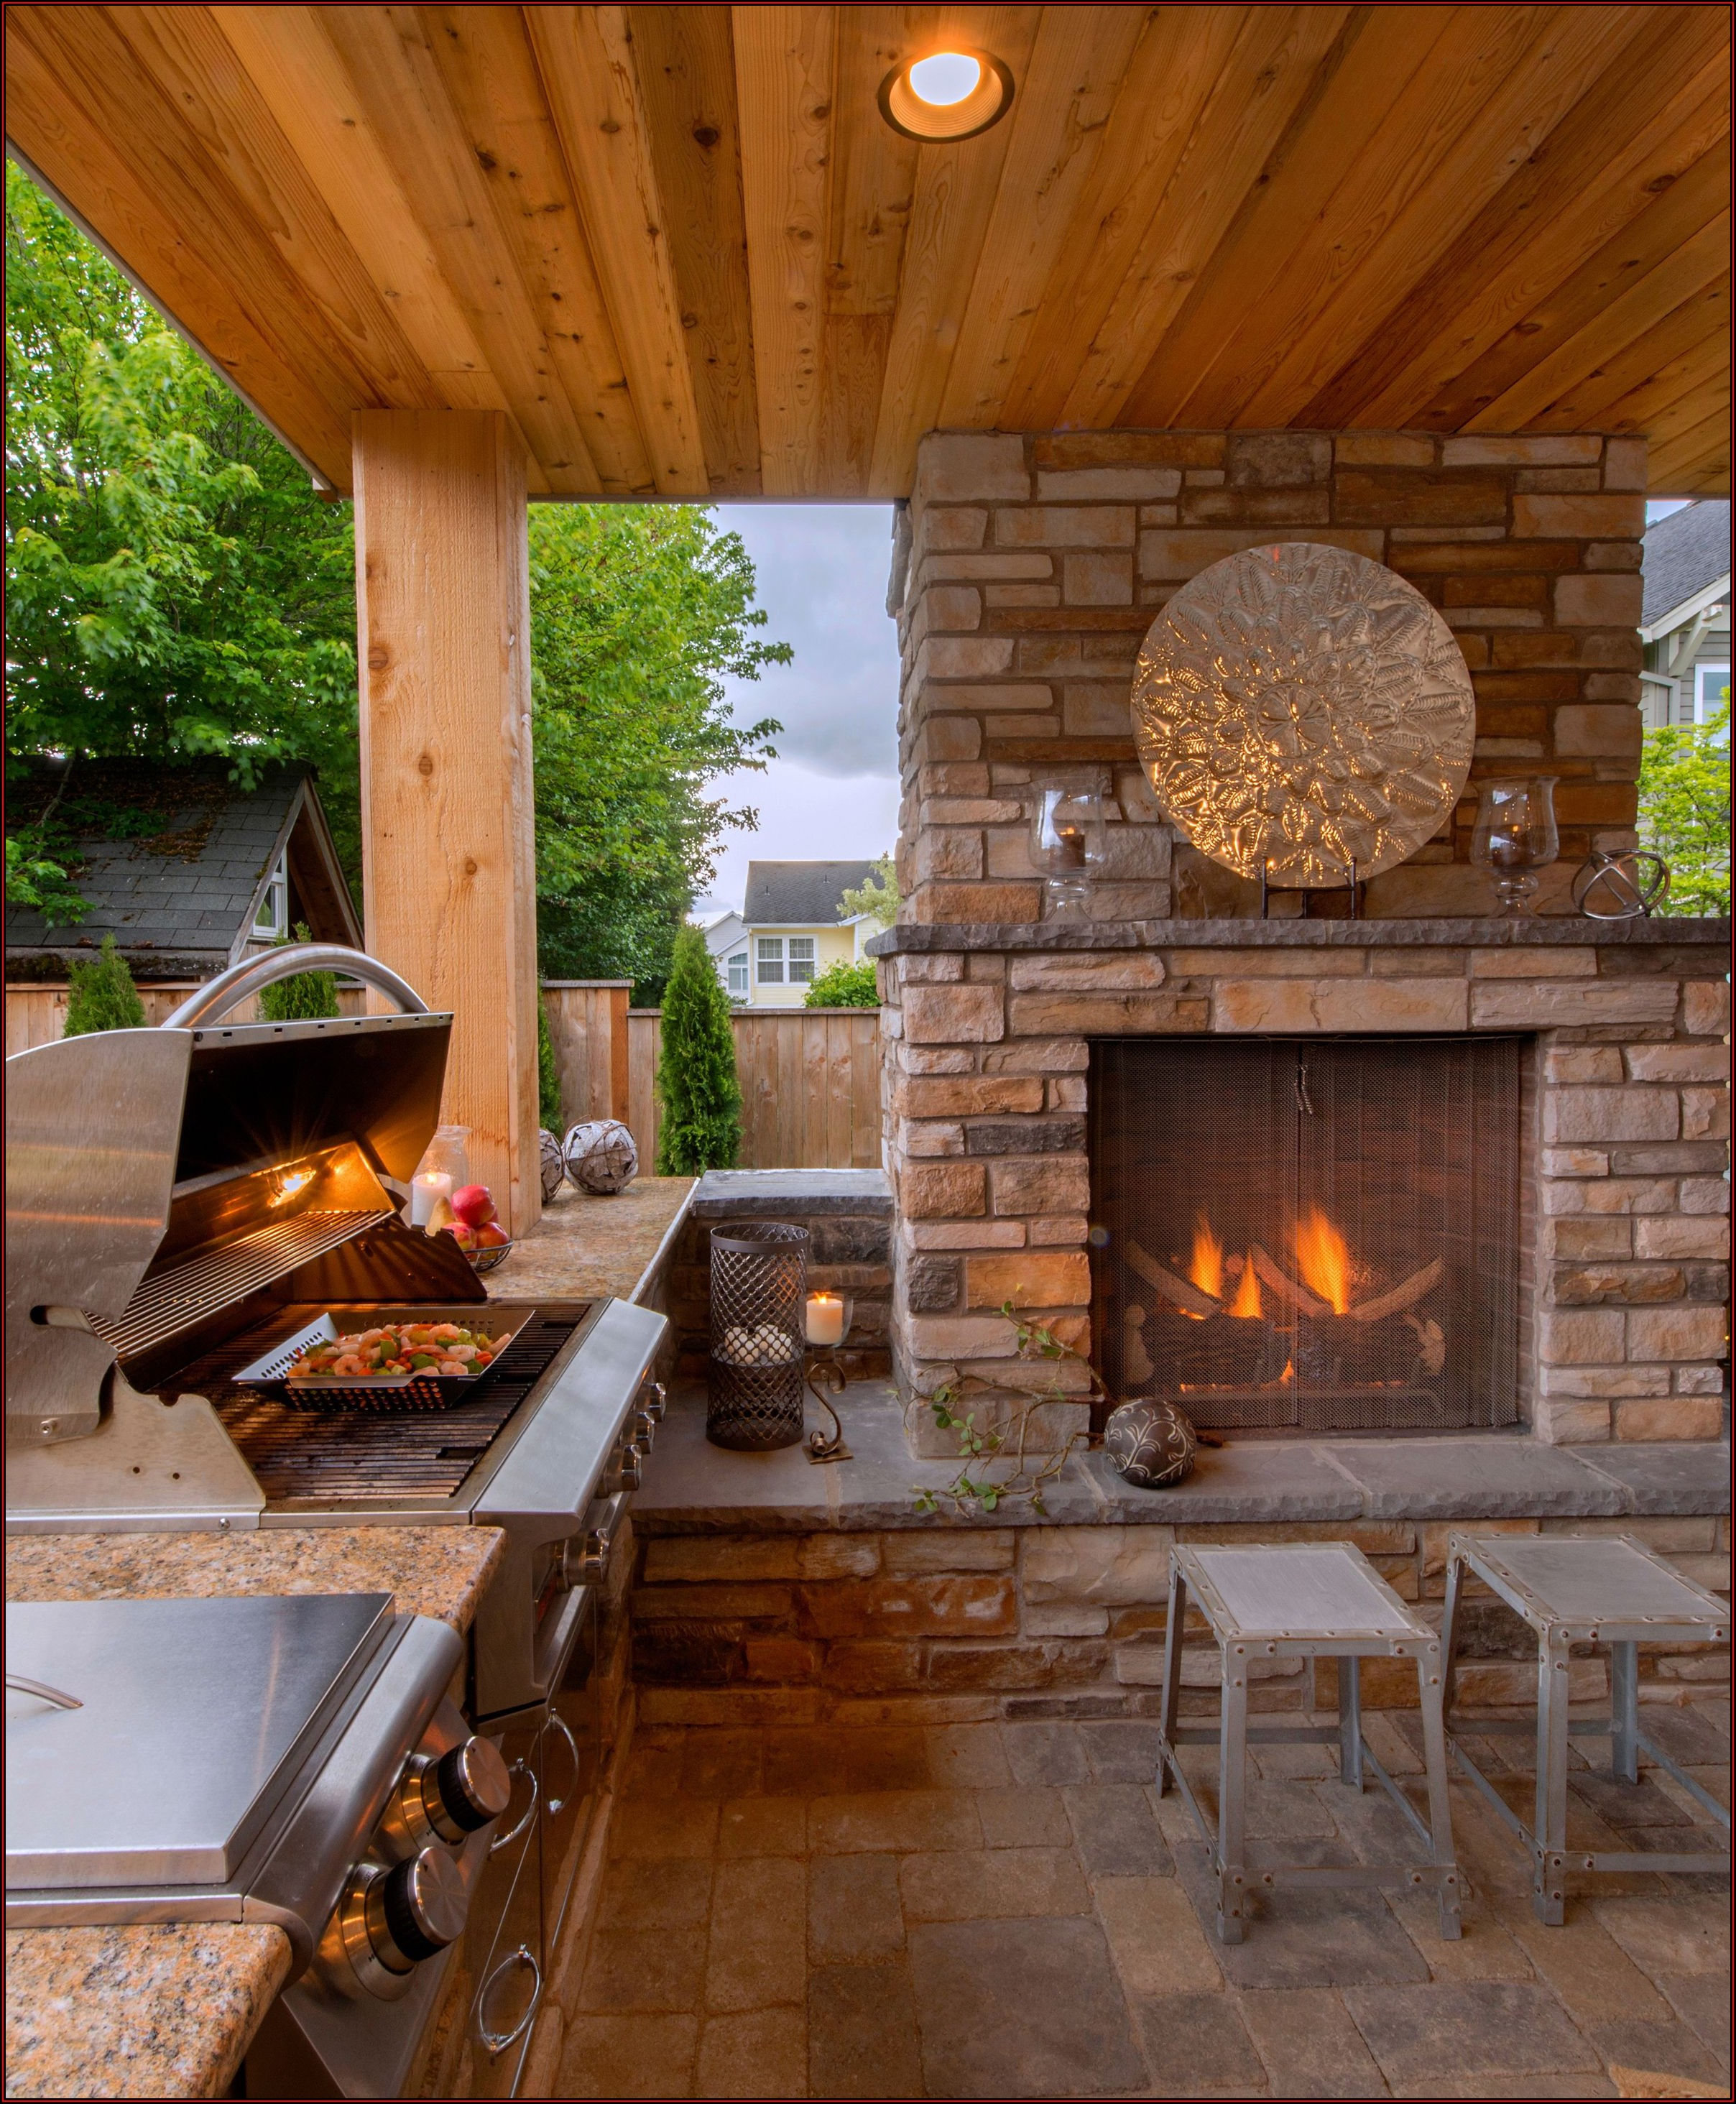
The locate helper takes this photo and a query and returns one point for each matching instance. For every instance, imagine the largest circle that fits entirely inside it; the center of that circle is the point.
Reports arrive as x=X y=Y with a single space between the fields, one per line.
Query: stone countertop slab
x=1540 y=930
x=585 y=1248
x=1671 y=1476
x=815 y=1192
x=150 y=2010
x=440 y=1572
x=692 y=1488
x=1508 y=1477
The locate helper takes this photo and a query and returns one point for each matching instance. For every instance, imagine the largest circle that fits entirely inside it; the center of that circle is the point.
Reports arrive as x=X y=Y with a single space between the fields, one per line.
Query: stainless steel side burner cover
x=195 y=1716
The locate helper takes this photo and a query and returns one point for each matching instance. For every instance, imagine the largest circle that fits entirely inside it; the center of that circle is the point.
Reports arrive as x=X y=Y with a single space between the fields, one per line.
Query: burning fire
x=1324 y=1259
x=1206 y=1266
x=1247 y=1301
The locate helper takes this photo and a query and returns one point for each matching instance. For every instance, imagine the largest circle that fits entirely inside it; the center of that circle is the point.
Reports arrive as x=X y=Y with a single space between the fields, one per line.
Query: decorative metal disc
x=1302 y=708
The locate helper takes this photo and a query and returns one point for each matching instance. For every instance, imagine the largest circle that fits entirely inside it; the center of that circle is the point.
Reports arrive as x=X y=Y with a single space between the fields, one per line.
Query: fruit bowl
x=491 y=1259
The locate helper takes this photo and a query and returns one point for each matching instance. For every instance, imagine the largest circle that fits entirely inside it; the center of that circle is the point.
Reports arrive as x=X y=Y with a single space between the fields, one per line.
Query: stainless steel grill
x=1321 y=1235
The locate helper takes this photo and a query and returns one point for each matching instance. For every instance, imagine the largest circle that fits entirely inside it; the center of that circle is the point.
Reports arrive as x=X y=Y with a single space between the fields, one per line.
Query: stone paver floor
x=1007 y=1910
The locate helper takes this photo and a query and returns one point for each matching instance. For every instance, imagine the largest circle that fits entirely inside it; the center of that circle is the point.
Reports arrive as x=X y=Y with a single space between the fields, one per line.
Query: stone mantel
x=911 y=939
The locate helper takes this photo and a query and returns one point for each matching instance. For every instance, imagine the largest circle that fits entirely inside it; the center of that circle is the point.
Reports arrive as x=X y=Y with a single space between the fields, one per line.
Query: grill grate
x=178 y=1298
x=316 y=1459
x=1320 y=1236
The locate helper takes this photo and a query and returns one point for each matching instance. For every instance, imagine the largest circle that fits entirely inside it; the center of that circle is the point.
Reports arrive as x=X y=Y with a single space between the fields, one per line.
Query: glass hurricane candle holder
x=1068 y=844
x=1516 y=837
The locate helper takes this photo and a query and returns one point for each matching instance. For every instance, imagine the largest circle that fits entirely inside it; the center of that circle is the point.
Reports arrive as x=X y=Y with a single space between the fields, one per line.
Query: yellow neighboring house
x=788 y=931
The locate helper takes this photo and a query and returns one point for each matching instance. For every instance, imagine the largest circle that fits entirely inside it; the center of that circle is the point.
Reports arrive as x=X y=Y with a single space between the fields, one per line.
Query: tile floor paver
x=881 y=1910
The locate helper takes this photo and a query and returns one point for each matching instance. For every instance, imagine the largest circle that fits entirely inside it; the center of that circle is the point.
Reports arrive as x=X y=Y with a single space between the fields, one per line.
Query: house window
x=770 y=952
x=802 y=958
x=737 y=968
x=273 y=917
x=1709 y=683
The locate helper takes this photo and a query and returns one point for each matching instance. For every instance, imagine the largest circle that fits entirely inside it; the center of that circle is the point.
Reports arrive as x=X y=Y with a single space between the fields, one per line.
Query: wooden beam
x=686 y=77
x=784 y=92
x=585 y=57
x=449 y=866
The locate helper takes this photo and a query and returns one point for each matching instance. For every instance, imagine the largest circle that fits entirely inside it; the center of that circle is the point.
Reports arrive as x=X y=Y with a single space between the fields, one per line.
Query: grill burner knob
x=586 y=1561
x=644 y=1430
x=656 y=1400
x=627 y=1470
x=471 y=1787
x=407 y=1914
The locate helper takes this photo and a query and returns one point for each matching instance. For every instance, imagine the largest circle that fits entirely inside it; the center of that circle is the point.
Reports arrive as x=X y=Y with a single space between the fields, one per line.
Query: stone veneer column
x=1036 y=564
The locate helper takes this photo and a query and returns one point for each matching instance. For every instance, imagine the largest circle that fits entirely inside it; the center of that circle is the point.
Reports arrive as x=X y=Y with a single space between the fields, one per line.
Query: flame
x=1324 y=1259
x=1205 y=1268
x=1247 y=1301
x=1288 y=1375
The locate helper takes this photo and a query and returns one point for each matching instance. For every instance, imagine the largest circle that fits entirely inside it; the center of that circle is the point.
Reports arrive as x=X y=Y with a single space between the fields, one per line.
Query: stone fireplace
x=1522 y=1181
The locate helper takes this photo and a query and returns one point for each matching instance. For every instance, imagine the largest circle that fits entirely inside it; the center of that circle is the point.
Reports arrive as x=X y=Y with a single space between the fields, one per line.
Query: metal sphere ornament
x=1621 y=883
x=601 y=1157
x=1151 y=1443
x=552 y=1163
x=1303 y=714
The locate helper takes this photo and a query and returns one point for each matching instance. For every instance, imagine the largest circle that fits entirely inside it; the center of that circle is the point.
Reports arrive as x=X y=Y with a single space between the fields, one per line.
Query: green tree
x=844 y=985
x=1684 y=811
x=103 y=995
x=698 y=1094
x=879 y=897
x=637 y=614
x=549 y=1110
x=305 y=997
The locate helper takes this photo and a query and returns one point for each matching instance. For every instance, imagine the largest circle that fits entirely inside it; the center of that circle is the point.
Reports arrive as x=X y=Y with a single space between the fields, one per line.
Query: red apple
x=491 y=1235
x=472 y=1205
x=466 y=1237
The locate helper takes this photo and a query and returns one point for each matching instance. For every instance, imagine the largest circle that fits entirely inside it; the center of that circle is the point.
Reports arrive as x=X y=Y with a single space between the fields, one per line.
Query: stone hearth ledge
x=915 y=938
x=691 y=1487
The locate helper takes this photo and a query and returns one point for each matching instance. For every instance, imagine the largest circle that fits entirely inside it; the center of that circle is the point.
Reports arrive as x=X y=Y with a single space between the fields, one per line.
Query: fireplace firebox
x=1313 y=1235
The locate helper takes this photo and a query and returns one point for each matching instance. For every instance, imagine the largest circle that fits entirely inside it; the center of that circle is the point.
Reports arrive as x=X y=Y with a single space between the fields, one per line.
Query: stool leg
x=1169 y=1701
x=1429 y=1681
x=1549 y=1883
x=1448 y=1640
x=1624 y=1712
x=1350 y=1722
x=1232 y=1781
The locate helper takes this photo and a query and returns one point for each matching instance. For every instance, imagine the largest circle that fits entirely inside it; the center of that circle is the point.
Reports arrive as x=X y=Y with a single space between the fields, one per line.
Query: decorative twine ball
x=1151 y=1443
x=601 y=1157
x=553 y=1163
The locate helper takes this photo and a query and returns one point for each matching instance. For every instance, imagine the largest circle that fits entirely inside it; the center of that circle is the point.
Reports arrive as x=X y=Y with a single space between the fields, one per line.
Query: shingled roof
x=1682 y=555
x=799 y=894
x=180 y=894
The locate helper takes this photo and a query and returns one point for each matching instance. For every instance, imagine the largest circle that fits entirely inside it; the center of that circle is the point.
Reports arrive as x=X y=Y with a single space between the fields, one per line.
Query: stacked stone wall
x=1038 y=561
x=957 y=1624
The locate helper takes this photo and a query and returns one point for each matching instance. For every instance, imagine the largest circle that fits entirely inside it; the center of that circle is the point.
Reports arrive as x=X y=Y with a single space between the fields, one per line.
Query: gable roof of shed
x=178 y=902
x=1683 y=554
x=800 y=894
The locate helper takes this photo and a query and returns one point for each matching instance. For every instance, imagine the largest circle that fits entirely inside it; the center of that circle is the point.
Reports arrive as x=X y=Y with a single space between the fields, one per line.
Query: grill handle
x=229 y=988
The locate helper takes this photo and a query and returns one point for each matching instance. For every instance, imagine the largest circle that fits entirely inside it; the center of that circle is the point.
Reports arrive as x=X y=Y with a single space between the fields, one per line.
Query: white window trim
x=768 y=960
x=272 y=918
x=1715 y=674
x=801 y=968
x=738 y=957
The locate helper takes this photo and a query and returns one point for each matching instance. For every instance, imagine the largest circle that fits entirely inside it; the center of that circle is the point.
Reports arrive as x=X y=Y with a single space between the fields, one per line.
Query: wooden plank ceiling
x=680 y=247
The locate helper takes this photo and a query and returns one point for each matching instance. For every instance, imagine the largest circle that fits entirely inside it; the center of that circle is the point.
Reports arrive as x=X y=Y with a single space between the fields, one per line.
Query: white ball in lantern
x=601 y=1157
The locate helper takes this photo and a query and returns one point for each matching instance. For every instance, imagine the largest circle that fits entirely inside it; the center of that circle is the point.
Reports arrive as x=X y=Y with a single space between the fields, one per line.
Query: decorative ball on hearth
x=552 y=1162
x=601 y=1157
x=1151 y=1443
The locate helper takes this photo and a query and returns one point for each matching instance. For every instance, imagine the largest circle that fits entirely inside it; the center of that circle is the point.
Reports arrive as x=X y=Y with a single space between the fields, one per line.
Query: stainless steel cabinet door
x=571 y=1757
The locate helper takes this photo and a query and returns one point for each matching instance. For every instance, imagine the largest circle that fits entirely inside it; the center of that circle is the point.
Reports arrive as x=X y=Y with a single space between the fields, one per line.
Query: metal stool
x=1312 y=1600
x=1602 y=1589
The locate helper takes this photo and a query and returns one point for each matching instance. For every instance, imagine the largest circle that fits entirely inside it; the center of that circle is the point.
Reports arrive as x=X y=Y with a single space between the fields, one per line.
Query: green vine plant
x=976 y=1488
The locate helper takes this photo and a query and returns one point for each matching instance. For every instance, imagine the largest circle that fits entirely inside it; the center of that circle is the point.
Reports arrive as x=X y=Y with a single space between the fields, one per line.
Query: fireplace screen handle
x=1304 y=1102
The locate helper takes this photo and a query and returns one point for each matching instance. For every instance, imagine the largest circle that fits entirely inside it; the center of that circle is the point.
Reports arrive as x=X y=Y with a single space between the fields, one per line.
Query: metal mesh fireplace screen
x=1320 y=1236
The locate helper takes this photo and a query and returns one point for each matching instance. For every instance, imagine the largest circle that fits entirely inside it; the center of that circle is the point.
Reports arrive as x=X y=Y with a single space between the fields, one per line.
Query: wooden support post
x=443 y=601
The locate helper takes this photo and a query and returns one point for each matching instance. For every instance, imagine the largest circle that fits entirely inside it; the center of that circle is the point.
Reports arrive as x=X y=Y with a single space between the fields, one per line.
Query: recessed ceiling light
x=946 y=96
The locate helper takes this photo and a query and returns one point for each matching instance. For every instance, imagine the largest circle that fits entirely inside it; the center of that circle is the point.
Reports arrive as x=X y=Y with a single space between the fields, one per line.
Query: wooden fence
x=810 y=1076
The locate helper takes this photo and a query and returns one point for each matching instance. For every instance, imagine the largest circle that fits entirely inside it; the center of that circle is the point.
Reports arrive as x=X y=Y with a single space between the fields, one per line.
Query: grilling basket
x=269 y=1373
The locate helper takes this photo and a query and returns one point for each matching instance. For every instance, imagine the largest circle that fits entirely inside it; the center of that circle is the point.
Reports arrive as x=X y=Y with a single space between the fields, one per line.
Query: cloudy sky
x=833 y=791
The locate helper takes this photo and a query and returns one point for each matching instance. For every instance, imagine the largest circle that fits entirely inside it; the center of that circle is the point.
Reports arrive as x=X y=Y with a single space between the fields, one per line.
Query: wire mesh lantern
x=758 y=1277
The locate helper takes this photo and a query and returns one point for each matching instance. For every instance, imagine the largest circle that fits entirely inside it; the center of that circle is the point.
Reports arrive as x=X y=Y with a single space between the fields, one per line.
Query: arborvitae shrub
x=699 y=1096
x=103 y=996
x=306 y=998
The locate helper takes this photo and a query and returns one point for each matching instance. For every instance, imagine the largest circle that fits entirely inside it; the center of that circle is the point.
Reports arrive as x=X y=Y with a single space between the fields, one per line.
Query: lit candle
x=426 y=1191
x=825 y=1318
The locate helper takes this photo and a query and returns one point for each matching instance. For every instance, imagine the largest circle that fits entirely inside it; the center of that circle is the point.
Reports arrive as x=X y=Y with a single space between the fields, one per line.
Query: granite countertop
x=146 y=2011
x=583 y=1248
x=160 y=2010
